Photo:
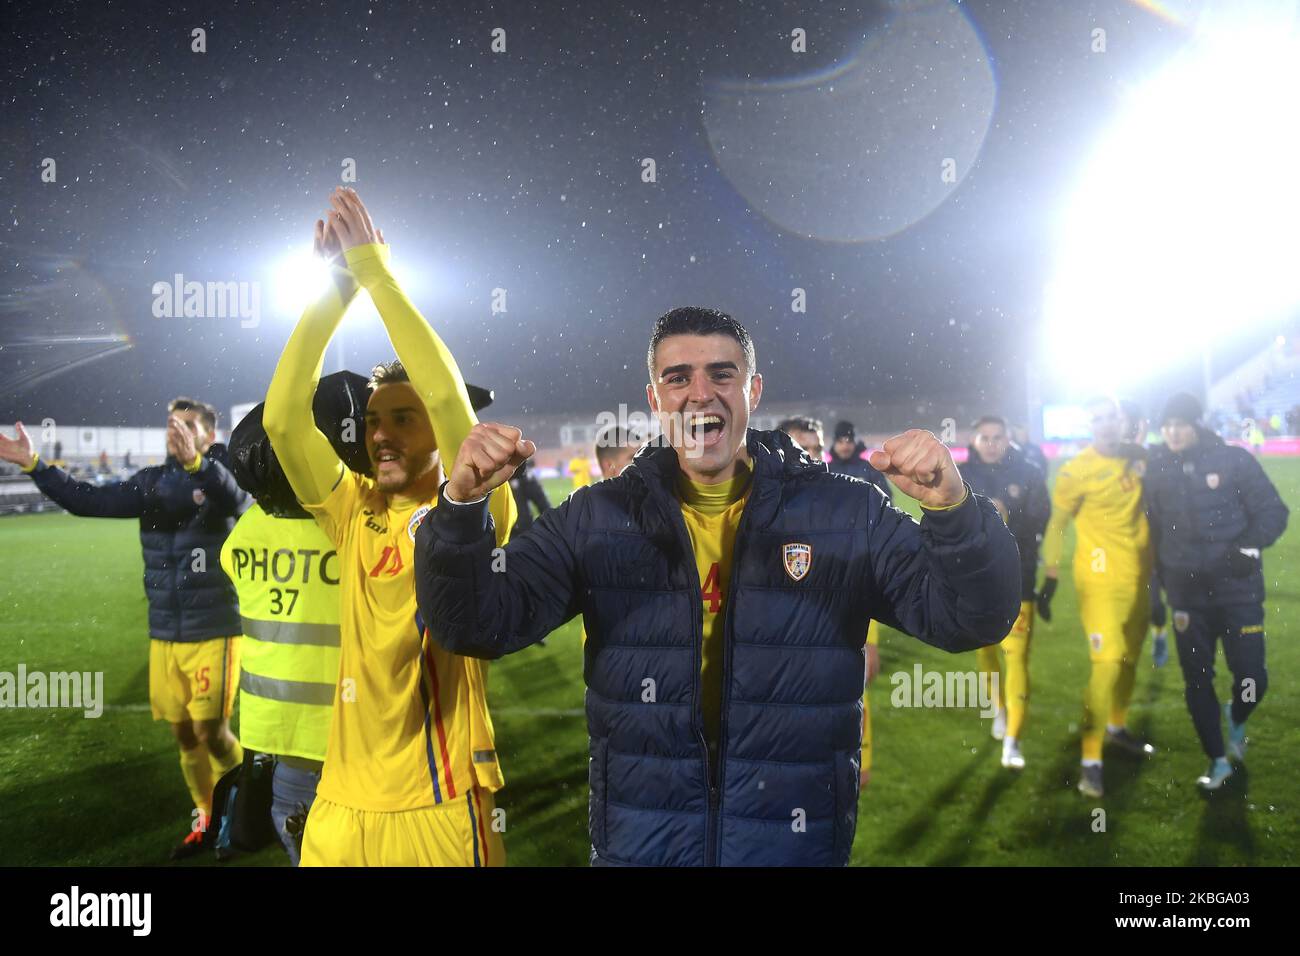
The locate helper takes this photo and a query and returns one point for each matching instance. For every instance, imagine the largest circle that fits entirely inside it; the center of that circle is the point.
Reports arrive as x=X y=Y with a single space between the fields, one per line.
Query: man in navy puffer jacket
x=725 y=581
x=186 y=508
x=1212 y=511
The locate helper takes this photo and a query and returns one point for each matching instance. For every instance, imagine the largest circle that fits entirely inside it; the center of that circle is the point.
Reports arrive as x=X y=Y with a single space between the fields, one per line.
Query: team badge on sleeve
x=199 y=496
x=798 y=560
x=1181 y=620
x=1212 y=479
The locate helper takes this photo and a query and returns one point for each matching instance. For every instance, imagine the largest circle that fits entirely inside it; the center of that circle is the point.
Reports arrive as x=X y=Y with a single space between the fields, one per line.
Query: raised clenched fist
x=487 y=459
x=921 y=467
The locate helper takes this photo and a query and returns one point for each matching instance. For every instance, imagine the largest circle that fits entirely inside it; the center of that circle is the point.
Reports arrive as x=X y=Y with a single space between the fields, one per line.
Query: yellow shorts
x=193 y=681
x=459 y=832
x=1115 y=622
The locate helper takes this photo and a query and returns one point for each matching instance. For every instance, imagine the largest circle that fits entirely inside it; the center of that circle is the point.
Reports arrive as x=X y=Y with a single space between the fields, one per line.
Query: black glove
x=1045 y=599
x=1241 y=564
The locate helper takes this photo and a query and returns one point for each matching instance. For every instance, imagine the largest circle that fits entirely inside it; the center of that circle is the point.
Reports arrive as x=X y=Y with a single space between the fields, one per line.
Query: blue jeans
x=290 y=789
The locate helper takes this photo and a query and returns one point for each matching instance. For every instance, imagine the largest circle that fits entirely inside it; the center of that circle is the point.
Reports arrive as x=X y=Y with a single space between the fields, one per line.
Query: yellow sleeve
x=504 y=513
x=428 y=361
x=302 y=450
x=1067 y=497
x=873 y=633
x=339 y=507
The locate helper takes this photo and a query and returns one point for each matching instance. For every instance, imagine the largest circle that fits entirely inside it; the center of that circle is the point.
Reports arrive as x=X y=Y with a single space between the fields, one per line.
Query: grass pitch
x=109 y=791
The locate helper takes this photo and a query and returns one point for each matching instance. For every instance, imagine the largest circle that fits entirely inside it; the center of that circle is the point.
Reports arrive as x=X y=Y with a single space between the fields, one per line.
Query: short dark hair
x=693 y=320
x=207 y=413
x=613 y=438
x=800 y=424
x=991 y=420
x=1184 y=406
x=388 y=373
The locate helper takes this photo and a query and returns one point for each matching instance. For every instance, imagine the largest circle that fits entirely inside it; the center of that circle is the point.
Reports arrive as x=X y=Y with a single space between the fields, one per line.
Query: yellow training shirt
x=712 y=515
x=410 y=727
x=1104 y=497
x=580 y=469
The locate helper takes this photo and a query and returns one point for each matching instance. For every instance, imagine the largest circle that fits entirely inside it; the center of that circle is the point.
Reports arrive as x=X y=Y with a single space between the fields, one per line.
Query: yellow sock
x=1015 y=657
x=197 y=771
x=989 y=661
x=1017 y=691
x=1097 y=704
x=223 y=765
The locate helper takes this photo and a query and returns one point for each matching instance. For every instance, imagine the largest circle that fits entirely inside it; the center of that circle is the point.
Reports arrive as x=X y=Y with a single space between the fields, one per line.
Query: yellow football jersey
x=712 y=515
x=1104 y=497
x=410 y=726
x=580 y=469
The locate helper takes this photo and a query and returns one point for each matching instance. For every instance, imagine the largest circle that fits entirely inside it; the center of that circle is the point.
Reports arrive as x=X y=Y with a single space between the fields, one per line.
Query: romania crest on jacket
x=798 y=560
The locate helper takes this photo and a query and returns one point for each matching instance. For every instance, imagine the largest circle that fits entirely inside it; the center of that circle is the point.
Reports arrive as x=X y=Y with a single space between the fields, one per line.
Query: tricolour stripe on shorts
x=225 y=672
x=473 y=825
x=482 y=829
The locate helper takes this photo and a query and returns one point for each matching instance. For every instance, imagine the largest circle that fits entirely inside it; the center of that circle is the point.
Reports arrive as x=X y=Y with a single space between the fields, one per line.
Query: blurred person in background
x=1213 y=511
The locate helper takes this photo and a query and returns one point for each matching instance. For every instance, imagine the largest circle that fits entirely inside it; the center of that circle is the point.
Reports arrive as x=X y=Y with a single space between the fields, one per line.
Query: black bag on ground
x=241 y=808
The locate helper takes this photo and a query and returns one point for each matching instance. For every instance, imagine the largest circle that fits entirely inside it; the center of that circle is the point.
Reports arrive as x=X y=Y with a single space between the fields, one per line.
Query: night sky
x=523 y=171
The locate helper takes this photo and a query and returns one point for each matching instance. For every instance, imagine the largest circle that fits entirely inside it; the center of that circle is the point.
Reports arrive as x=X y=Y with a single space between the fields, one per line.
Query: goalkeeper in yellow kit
x=410 y=765
x=1101 y=489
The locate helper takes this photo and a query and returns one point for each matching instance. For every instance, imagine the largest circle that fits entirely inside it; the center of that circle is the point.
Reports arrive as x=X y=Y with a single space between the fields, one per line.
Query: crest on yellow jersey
x=413 y=525
x=798 y=560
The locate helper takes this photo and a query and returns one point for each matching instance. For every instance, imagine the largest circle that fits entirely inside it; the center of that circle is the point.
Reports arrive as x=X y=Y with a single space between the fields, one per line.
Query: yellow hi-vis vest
x=287 y=576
